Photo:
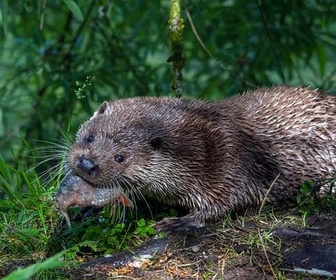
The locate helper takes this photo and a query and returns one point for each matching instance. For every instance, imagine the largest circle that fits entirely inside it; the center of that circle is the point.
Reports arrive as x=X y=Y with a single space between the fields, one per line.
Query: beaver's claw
x=177 y=225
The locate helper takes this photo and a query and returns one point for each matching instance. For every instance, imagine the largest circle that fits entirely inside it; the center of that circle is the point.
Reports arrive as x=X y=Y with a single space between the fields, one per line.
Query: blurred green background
x=55 y=68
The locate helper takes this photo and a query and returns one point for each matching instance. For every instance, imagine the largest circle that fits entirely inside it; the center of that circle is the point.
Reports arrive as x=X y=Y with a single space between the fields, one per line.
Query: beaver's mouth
x=74 y=191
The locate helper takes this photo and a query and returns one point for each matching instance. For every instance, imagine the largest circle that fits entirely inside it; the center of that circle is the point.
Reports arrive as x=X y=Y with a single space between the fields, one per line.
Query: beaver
x=212 y=157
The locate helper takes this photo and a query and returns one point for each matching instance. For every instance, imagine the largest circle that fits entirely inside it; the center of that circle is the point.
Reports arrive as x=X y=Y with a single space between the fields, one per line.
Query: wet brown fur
x=212 y=157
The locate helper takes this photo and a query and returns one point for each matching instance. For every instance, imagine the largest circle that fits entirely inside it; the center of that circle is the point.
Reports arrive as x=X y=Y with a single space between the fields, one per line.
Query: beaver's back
x=296 y=126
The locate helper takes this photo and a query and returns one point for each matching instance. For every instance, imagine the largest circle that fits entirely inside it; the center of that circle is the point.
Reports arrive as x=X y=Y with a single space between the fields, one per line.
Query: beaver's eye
x=119 y=158
x=89 y=139
x=157 y=143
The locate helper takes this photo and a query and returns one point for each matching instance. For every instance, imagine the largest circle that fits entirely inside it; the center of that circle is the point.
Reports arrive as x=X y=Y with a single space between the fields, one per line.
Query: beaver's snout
x=88 y=166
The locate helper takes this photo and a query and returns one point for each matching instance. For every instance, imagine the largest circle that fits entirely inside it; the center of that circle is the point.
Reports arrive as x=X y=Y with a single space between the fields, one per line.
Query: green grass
x=28 y=272
x=31 y=231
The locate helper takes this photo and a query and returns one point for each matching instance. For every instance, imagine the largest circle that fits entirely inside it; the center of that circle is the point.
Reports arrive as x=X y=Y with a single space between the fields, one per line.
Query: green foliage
x=30 y=229
x=24 y=214
x=100 y=235
x=311 y=202
x=144 y=229
x=28 y=218
x=73 y=7
x=4 y=12
x=306 y=194
x=28 y=272
x=80 y=91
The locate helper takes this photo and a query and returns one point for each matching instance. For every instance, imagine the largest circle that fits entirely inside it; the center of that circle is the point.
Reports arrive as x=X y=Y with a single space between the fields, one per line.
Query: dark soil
x=252 y=247
x=277 y=245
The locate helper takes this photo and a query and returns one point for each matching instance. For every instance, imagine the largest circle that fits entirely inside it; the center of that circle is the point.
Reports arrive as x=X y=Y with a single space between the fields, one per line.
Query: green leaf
x=306 y=187
x=2 y=126
x=4 y=12
x=73 y=7
x=322 y=58
x=26 y=273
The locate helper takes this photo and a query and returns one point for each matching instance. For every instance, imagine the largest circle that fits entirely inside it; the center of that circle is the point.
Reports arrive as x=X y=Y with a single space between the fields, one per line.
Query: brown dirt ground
x=265 y=247
x=270 y=246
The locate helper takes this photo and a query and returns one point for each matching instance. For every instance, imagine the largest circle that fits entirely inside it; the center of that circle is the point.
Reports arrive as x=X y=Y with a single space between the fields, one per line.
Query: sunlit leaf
x=73 y=7
x=27 y=273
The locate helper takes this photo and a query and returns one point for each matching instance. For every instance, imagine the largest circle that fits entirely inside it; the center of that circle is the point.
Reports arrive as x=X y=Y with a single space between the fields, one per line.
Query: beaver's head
x=164 y=147
x=118 y=142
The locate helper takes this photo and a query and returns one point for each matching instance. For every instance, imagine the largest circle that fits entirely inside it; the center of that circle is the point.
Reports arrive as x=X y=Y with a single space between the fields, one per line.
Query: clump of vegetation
x=310 y=201
x=32 y=228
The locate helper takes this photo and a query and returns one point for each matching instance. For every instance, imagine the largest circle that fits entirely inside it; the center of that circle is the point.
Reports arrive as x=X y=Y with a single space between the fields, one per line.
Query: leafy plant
x=311 y=201
x=144 y=228
x=27 y=273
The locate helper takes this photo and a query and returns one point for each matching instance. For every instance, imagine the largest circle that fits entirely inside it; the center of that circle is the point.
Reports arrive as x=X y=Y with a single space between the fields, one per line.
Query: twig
x=217 y=61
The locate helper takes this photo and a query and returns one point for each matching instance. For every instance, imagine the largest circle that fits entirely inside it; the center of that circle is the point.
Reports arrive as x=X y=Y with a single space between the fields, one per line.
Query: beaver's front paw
x=177 y=225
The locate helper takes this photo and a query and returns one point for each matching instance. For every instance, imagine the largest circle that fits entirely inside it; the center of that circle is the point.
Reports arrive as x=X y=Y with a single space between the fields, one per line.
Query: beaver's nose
x=88 y=166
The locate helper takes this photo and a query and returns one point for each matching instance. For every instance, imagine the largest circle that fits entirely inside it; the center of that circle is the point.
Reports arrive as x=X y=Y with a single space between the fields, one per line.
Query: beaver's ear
x=102 y=108
x=157 y=143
